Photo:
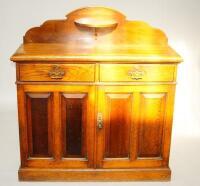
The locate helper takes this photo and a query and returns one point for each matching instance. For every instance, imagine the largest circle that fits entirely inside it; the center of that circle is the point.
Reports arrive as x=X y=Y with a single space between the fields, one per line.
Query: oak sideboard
x=95 y=99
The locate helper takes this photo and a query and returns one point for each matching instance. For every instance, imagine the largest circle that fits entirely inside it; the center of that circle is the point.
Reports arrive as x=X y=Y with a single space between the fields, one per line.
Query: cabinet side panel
x=151 y=124
x=117 y=135
x=39 y=129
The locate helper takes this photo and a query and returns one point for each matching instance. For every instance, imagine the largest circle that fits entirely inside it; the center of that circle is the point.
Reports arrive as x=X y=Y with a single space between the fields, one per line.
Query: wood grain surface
x=95 y=99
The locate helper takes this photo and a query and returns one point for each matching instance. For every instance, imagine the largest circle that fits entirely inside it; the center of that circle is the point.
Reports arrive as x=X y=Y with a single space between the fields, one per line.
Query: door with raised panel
x=77 y=128
x=132 y=124
x=59 y=126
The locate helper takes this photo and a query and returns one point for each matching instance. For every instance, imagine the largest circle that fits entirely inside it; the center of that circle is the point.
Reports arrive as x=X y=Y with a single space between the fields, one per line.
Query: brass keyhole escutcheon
x=99 y=120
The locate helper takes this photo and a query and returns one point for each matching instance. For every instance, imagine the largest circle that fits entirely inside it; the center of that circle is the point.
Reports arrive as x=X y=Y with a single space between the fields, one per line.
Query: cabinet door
x=56 y=126
x=134 y=126
x=77 y=127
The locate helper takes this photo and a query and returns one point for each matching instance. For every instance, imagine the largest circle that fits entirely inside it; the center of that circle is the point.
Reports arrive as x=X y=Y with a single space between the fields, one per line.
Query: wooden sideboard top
x=96 y=34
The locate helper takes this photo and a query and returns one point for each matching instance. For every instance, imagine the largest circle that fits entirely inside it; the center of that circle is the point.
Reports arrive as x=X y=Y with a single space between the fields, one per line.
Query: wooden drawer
x=56 y=72
x=134 y=72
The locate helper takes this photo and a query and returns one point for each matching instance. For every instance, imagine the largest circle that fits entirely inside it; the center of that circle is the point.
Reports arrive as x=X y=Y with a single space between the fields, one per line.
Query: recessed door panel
x=39 y=124
x=151 y=124
x=117 y=125
x=74 y=110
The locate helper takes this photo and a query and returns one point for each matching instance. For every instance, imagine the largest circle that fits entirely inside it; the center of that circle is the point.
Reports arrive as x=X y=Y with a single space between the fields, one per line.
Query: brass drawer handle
x=56 y=73
x=136 y=78
x=136 y=74
x=99 y=120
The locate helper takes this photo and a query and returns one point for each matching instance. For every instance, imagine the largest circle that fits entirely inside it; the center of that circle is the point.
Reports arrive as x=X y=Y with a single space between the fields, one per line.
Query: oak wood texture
x=95 y=99
x=94 y=175
x=59 y=52
x=39 y=124
x=147 y=140
x=130 y=72
x=41 y=72
x=63 y=40
x=152 y=124
x=74 y=110
x=57 y=159
x=117 y=125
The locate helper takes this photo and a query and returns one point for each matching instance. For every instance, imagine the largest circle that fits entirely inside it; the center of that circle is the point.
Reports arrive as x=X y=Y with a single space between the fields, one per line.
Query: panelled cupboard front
x=58 y=121
x=63 y=129
x=94 y=116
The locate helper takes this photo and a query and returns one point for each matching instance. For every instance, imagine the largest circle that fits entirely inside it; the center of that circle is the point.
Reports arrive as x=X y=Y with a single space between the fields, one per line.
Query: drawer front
x=56 y=72
x=134 y=72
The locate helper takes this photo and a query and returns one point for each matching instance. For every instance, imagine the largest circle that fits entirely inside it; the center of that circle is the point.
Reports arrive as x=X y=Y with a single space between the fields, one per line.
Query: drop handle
x=99 y=120
x=136 y=78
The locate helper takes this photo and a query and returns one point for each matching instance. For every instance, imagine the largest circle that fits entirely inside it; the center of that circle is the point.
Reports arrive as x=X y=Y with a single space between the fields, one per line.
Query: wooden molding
x=127 y=32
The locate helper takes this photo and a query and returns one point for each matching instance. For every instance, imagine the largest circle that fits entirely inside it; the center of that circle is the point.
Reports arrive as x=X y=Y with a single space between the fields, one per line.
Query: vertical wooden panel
x=151 y=124
x=56 y=126
x=74 y=109
x=117 y=125
x=23 y=131
x=39 y=124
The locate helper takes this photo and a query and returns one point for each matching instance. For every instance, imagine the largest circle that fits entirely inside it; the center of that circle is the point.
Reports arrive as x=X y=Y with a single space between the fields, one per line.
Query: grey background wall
x=180 y=19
